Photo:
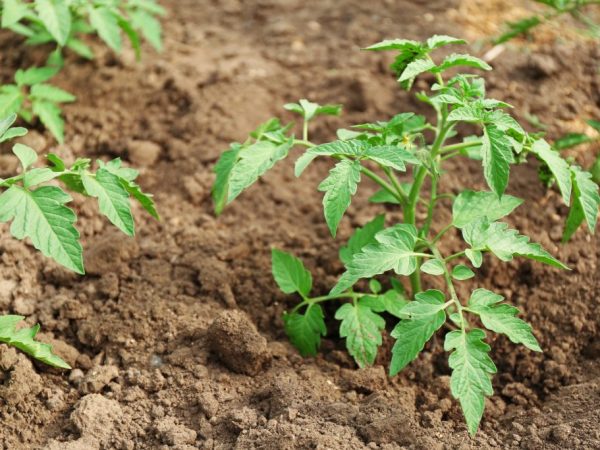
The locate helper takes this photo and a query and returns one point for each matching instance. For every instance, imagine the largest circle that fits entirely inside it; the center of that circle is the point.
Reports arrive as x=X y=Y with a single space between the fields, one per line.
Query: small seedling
x=555 y=8
x=64 y=22
x=38 y=211
x=31 y=96
x=380 y=151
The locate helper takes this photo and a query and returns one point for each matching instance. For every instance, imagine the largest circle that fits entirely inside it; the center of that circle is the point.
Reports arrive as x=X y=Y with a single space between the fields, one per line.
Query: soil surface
x=176 y=338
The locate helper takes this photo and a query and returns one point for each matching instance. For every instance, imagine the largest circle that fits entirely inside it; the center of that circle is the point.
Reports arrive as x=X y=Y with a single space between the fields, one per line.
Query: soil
x=176 y=338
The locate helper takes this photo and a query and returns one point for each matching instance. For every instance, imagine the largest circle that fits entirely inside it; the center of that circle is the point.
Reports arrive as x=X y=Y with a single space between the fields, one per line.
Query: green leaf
x=11 y=100
x=81 y=48
x=42 y=216
x=393 y=250
x=107 y=25
x=149 y=26
x=24 y=340
x=497 y=156
x=500 y=318
x=56 y=17
x=433 y=267
x=571 y=140
x=595 y=124
x=517 y=28
x=6 y=123
x=375 y=286
x=470 y=206
x=12 y=133
x=467 y=113
x=337 y=148
x=253 y=161
x=113 y=199
x=27 y=156
x=437 y=41
x=586 y=202
x=384 y=196
x=12 y=12
x=472 y=369
x=305 y=330
x=412 y=334
x=362 y=329
x=475 y=256
x=403 y=45
x=455 y=60
x=558 y=166
x=361 y=237
x=34 y=75
x=339 y=187
x=289 y=273
x=51 y=93
x=310 y=110
x=49 y=115
x=34 y=177
x=505 y=243
x=390 y=156
x=223 y=170
x=416 y=68
x=391 y=302
x=426 y=303
x=462 y=273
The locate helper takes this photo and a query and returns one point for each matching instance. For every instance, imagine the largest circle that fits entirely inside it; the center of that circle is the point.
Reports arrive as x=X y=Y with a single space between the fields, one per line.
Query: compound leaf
x=393 y=249
x=106 y=24
x=361 y=237
x=42 y=216
x=472 y=369
x=437 y=41
x=51 y=93
x=351 y=147
x=505 y=243
x=113 y=199
x=455 y=60
x=56 y=17
x=469 y=206
x=500 y=318
x=585 y=204
x=339 y=187
x=412 y=334
x=24 y=340
x=49 y=115
x=558 y=166
x=362 y=329
x=305 y=330
x=289 y=273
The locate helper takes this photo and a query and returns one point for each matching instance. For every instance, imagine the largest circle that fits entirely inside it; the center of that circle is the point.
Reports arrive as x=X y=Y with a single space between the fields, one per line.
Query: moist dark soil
x=175 y=336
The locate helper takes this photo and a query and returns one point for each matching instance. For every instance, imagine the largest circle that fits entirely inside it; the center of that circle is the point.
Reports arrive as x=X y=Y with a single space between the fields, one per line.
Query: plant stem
x=461 y=146
x=392 y=177
x=450 y=284
x=441 y=233
x=384 y=184
x=304 y=142
x=432 y=200
x=454 y=256
x=305 y=130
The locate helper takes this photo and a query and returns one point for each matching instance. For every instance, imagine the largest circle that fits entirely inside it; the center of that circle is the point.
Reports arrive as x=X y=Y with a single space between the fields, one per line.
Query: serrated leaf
x=505 y=243
x=81 y=48
x=337 y=148
x=12 y=12
x=26 y=155
x=396 y=44
x=472 y=369
x=571 y=140
x=289 y=273
x=586 y=202
x=50 y=116
x=390 y=156
x=437 y=41
x=37 y=176
x=558 y=166
x=412 y=334
x=305 y=330
x=456 y=60
x=42 y=216
x=466 y=113
x=433 y=267
x=496 y=158
x=416 y=68
x=106 y=23
x=56 y=17
x=425 y=304
x=223 y=170
x=113 y=199
x=384 y=196
x=24 y=340
x=500 y=318
x=362 y=329
x=339 y=187
x=150 y=28
x=253 y=161
x=51 y=93
x=393 y=250
x=475 y=256
x=462 y=273
x=361 y=237
x=34 y=75
x=470 y=206
x=11 y=100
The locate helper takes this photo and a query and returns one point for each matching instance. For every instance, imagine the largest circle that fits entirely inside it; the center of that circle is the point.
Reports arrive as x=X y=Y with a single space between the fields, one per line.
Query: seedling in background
x=380 y=151
x=31 y=96
x=64 y=22
x=38 y=211
x=554 y=9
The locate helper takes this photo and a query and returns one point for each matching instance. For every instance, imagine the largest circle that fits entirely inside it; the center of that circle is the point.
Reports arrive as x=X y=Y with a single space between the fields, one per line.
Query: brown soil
x=138 y=329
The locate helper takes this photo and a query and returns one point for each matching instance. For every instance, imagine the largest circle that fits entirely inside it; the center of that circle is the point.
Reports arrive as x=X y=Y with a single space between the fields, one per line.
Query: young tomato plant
x=380 y=151
x=65 y=21
x=31 y=96
x=38 y=211
x=554 y=9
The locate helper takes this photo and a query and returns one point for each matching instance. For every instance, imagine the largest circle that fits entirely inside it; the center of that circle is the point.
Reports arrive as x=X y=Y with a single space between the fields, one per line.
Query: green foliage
x=40 y=212
x=32 y=96
x=66 y=22
x=381 y=152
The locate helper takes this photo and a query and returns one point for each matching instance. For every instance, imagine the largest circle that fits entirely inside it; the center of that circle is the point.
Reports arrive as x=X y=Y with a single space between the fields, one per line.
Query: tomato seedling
x=380 y=151
x=38 y=211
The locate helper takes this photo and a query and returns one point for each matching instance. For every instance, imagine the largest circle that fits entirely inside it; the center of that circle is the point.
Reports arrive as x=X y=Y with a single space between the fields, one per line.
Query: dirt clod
x=172 y=433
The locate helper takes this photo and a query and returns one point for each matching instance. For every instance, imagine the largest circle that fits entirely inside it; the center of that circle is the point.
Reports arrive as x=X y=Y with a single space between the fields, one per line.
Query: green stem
x=305 y=130
x=441 y=233
x=461 y=146
x=450 y=284
x=396 y=184
x=454 y=256
x=384 y=184
x=432 y=200
x=304 y=142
